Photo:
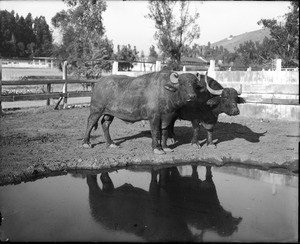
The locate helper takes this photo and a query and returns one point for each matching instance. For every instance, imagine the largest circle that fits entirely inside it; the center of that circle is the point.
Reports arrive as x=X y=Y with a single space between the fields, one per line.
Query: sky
x=125 y=21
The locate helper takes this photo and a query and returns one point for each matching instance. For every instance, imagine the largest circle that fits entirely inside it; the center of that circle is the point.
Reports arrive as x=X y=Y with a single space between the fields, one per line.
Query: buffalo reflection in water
x=166 y=212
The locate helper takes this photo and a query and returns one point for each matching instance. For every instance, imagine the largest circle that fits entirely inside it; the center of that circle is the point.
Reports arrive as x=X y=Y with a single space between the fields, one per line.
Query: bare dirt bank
x=41 y=141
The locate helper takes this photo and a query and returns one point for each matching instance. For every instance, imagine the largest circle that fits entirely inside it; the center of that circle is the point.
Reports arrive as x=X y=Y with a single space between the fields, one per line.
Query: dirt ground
x=35 y=142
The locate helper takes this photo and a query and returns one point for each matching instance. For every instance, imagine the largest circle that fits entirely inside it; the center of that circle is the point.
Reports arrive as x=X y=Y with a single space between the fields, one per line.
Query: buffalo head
x=226 y=99
x=186 y=82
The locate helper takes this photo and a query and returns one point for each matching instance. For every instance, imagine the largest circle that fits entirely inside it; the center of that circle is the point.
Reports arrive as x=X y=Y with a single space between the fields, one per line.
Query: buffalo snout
x=231 y=110
x=191 y=97
x=235 y=111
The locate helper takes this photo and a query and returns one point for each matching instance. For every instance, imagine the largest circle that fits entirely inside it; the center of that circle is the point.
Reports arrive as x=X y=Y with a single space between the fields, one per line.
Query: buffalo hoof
x=87 y=145
x=167 y=149
x=212 y=145
x=113 y=146
x=158 y=151
x=202 y=141
x=196 y=145
x=171 y=141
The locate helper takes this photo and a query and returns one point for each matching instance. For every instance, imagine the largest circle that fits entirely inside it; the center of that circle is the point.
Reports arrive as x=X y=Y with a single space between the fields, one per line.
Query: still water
x=184 y=203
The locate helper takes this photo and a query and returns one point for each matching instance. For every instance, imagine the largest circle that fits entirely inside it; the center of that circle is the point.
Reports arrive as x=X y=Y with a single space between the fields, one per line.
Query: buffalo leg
x=171 y=133
x=91 y=180
x=105 y=122
x=167 y=127
x=208 y=175
x=196 y=133
x=154 y=187
x=195 y=172
x=210 y=129
x=155 y=127
x=164 y=140
x=92 y=122
x=107 y=183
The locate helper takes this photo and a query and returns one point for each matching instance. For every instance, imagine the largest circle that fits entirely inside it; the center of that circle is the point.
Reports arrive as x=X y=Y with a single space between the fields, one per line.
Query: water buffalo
x=212 y=100
x=153 y=96
x=172 y=208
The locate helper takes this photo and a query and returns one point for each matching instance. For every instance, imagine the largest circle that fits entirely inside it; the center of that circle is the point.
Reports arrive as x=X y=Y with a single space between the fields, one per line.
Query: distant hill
x=234 y=41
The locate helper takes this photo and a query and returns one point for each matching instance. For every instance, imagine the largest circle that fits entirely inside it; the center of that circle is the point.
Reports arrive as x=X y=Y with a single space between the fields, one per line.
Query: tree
x=23 y=37
x=83 y=37
x=8 y=47
x=192 y=52
x=142 y=56
x=153 y=56
x=43 y=37
x=173 y=30
x=285 y=35
x=127 y=56
x=248 y=53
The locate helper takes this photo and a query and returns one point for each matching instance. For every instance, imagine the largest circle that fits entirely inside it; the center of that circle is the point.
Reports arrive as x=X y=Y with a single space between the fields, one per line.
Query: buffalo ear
x=170 y=88
x=214 y=101
x=241 y=100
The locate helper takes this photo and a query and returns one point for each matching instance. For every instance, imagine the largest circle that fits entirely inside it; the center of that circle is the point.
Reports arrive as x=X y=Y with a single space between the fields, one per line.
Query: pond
x=183 y=203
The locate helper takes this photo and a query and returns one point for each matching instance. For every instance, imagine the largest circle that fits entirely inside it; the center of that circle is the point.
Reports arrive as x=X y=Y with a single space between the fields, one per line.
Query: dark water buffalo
x=169 y=211
x=154 y=97
x=212 y=100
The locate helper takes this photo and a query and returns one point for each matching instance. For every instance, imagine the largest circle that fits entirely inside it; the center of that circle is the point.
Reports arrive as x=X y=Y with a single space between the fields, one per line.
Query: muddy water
x=182 y=203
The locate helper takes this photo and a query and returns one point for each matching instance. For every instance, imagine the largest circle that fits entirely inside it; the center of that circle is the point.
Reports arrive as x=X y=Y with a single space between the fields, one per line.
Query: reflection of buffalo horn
x=239 y=92
x=213 y=92
x=174 y=78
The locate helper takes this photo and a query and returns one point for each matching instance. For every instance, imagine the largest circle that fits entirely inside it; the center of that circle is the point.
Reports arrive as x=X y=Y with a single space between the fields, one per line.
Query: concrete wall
x=259 y=77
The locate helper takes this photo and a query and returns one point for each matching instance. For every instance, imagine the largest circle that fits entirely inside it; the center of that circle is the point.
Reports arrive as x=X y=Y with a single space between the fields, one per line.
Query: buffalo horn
x=239 y=92
x=213 y=92
x=174 y=78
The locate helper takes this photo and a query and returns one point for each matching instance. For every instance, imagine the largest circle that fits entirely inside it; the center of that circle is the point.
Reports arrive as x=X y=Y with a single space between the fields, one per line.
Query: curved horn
x=174 y=78
x=239 y=92
x=213 y=92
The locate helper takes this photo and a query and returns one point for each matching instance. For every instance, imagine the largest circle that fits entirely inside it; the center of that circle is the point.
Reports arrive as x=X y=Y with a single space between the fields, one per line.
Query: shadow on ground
x=222 y=132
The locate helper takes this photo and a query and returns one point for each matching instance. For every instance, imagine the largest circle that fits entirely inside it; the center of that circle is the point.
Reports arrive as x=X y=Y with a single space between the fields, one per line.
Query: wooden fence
x=63 y=95
x=273 y=94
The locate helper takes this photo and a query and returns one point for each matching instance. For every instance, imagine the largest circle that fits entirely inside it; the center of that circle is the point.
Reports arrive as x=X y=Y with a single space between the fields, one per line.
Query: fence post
x=48 y=91
x=115 y=68
x=0 y=86
x=92 y=87
x=65 y=88
x=277 y=71
x=211 y=69
x=278 y=64
x=158 y=66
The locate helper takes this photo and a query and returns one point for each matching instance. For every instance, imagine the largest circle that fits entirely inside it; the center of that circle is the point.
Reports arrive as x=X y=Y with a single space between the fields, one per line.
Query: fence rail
x=64 y=95
x=43 y=96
